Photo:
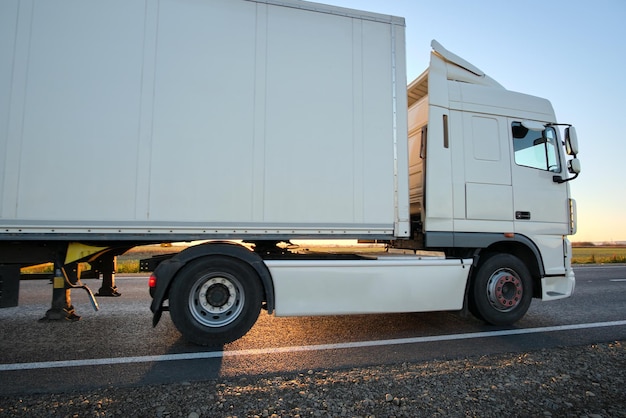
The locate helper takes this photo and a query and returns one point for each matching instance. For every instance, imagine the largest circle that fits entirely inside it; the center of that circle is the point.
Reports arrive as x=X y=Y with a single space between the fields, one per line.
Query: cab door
x=540 y=205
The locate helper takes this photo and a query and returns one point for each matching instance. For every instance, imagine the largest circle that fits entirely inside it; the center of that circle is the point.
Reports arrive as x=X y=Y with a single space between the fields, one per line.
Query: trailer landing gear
x=66 y=278
x=61 y=308
x=107 y=265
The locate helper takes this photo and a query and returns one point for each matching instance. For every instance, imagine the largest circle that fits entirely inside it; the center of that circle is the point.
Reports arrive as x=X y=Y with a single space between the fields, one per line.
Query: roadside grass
x=598 y=255
x=129 y=262
x=126 y=263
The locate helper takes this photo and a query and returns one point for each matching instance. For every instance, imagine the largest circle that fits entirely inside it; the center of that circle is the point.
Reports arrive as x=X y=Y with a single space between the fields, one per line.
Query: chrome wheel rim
x=505 y=290
x=216 y=300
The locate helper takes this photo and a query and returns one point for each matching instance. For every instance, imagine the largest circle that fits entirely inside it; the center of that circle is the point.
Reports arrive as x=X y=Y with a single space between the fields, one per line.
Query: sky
x=572 y=53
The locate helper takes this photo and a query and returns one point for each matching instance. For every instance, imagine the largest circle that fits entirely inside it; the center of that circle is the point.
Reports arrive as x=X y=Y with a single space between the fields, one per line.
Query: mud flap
x=9 y=285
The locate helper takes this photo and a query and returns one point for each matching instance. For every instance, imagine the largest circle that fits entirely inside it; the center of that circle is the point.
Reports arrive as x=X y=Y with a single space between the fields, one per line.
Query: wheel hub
x=505 y=291
x=217 y=295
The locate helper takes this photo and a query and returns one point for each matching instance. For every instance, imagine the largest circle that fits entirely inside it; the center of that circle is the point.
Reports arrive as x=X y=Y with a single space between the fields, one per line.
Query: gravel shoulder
x=574 y=381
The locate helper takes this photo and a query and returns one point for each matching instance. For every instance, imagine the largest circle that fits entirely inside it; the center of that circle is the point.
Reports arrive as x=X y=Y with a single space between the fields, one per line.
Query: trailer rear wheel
x=501 y=290
x=215 y=300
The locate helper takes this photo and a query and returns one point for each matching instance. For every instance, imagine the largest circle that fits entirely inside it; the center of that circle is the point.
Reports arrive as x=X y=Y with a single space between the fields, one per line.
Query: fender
x=487 y=241
x=168 y=269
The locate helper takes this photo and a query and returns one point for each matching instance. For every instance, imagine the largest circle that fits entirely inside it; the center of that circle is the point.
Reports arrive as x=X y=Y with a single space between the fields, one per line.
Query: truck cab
x=488 y=172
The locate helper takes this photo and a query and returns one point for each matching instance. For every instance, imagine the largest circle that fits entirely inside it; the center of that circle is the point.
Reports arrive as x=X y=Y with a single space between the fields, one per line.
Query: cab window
x=535 y=149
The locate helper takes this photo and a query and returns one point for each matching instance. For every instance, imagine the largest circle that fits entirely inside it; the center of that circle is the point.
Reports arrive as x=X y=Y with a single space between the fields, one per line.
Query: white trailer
x=125 y=122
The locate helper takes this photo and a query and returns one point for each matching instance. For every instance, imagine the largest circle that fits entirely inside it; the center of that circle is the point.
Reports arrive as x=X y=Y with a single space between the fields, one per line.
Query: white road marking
x=320 y=347
x=617 y=280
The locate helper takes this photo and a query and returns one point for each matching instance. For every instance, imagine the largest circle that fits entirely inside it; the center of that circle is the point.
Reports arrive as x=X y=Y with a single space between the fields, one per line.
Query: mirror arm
x=559 y=179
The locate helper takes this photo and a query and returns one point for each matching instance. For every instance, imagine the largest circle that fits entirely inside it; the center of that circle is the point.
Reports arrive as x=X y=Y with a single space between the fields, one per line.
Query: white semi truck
x=251 y=123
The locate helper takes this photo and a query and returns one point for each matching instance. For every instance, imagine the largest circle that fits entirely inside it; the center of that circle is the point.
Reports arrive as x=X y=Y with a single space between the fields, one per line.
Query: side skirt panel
x=379 y=285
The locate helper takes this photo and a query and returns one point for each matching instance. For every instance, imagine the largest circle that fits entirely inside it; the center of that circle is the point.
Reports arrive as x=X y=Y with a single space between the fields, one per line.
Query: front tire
x=215 y=300
x=501 y=291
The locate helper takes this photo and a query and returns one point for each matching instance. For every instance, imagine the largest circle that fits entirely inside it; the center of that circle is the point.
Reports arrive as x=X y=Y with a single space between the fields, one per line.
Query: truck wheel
x=215 y=300
x=501 y=290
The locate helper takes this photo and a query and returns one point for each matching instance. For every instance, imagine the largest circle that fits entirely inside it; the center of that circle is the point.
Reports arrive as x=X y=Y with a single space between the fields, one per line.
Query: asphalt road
x=117 y=345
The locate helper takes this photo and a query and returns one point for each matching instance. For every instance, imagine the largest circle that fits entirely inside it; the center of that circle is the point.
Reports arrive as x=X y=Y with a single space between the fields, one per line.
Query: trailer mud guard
x=167 y=270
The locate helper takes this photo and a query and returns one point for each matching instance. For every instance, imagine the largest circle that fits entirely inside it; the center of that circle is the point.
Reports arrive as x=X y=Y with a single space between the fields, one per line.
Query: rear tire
x=501 y=291
x=215 y=300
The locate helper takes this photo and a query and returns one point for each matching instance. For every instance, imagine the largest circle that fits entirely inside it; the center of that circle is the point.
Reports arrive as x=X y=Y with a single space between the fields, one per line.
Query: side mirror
x=571 y=141
x=574 y=166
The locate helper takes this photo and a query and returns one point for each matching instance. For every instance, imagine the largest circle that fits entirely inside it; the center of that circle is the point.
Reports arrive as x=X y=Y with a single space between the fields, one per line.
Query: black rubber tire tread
x=479 y=303
x=182 y=285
